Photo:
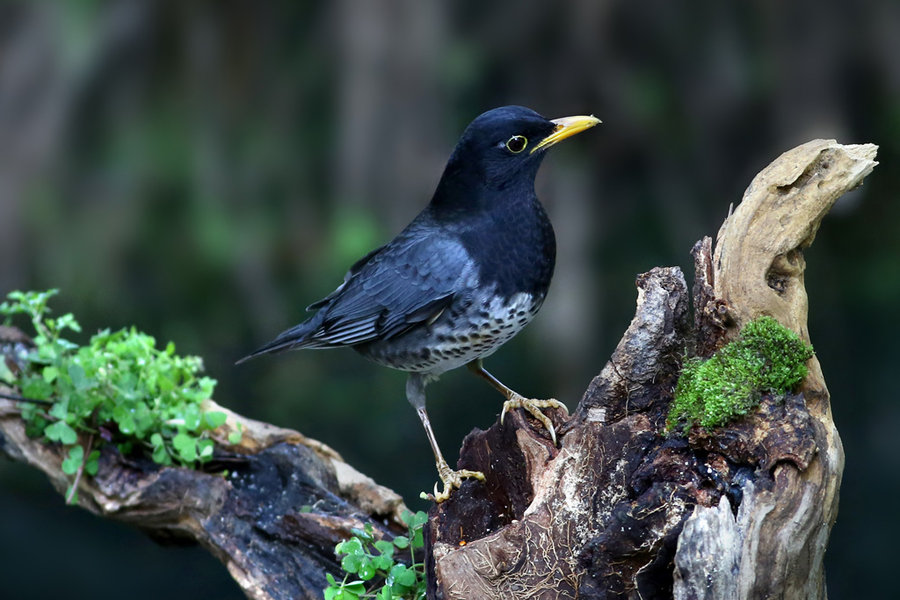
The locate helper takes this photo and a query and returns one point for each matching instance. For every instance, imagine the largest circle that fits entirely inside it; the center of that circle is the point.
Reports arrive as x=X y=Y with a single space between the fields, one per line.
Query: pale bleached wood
x=758 y=269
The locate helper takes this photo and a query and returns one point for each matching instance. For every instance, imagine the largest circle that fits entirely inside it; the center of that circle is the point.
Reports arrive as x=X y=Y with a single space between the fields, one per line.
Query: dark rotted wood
x=779 y=429
x=711 y=318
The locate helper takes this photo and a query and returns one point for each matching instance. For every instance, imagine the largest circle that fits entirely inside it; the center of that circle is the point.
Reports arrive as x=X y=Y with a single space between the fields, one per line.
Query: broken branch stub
x=782 y=524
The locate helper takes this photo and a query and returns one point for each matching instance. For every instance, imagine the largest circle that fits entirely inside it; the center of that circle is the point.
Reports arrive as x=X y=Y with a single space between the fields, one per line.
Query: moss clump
x=766 y=357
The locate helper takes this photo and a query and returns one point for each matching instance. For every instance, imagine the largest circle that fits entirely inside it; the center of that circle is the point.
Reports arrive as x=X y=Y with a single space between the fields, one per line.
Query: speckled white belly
x=459 y=336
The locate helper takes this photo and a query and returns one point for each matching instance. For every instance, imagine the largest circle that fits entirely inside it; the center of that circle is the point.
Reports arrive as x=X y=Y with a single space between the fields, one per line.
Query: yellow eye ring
x=516 y=143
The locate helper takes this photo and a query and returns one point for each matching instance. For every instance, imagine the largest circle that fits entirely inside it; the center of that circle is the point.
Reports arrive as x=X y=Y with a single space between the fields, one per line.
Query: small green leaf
x=205 y=449
x=59 y=410
x=46 y=351
x=37 y=389
x=382 y=562
x=92 y=465
x=354 y=546
x=79 y=379
x=183 y=440
x=384 y=547
x=124 y=418
x=214 y=418
x=61 y=432
x=67 y=321
x=192 y=417
x=366 y=569
x=234 y=437
x=144 y=419
x=350 y=563
x=403 y=575
x=188 y=454
x=71 y=464
x=161 y=455
x=186 y=446
x=419 y=519
x=401 y=541
x=50 y=373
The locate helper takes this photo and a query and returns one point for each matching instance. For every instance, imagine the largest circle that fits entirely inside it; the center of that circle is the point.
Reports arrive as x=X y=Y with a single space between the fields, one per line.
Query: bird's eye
x=516 y=143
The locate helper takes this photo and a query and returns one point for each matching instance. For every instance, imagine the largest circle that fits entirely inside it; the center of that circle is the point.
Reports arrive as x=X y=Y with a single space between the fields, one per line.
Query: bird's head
x=502 y=149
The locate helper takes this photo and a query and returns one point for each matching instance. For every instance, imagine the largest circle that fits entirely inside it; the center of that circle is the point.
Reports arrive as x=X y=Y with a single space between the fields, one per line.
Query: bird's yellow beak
x=566 y=127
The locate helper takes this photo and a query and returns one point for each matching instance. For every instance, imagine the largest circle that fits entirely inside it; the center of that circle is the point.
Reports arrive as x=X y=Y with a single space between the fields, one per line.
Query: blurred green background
x=204 y=170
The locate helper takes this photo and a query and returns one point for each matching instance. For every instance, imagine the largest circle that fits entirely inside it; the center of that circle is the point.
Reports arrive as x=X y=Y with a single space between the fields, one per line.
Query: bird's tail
x=299 y=336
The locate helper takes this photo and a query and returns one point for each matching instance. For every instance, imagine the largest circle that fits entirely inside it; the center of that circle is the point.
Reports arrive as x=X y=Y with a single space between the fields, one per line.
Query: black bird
x=467 y=274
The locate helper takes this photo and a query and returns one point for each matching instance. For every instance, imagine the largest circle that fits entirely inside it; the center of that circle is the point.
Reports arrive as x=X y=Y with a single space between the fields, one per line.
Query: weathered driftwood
x=618 y=509
x=776 y=542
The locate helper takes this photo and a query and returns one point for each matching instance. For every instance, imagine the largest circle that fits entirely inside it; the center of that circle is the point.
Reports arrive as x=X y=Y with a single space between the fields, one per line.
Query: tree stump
x=619 y=509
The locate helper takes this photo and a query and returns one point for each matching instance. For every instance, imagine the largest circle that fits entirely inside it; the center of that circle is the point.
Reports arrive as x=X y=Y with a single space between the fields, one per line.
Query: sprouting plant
x=371 y=569
x=119 y=388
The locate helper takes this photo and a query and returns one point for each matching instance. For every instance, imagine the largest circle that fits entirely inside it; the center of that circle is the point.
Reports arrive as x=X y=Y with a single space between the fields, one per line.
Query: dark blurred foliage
x=204 y=170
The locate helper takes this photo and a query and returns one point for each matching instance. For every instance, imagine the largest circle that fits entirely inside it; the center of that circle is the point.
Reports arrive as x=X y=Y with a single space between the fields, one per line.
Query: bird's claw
x=451 y=479
x=534 y=408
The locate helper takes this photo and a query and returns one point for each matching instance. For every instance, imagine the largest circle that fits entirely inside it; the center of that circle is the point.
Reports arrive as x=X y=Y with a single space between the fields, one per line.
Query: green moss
x=766 y=357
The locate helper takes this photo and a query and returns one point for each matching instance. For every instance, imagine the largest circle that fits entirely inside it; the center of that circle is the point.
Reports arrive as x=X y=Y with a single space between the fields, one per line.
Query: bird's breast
x=473 y=327
x=514 y=250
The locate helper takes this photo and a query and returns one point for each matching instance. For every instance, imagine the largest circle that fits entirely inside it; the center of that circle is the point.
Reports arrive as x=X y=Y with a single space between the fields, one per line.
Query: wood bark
x=619 y=509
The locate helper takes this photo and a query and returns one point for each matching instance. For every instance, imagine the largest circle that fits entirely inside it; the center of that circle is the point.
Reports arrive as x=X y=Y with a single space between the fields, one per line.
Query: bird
x=465 y=276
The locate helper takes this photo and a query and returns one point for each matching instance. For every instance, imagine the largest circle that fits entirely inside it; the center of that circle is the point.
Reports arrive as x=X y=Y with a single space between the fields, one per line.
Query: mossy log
x=273 y=520
x=618 y=509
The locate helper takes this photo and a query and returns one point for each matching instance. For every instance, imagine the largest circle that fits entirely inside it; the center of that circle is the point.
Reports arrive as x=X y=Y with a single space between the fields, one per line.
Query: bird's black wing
x=353 y=270
x=406 y=283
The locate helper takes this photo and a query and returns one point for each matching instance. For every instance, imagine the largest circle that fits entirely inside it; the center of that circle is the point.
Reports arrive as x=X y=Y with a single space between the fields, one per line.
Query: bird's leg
x=415 y=393
x=516 y=400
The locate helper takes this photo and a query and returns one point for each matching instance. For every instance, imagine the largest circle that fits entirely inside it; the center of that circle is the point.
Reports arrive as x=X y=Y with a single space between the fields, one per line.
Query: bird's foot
x=534 y=407
x=451 y=479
